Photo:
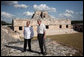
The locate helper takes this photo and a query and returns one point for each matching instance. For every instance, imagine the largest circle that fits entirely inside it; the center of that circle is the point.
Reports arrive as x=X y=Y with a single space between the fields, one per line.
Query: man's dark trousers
x=42 y=43
x=27 y=41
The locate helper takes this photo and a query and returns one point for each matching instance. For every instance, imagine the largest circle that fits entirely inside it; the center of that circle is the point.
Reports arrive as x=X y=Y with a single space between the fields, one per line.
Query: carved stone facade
x=50 y=23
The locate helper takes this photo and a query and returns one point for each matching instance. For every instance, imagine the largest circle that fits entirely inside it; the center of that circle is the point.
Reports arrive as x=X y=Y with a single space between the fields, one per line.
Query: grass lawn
x=73 y=40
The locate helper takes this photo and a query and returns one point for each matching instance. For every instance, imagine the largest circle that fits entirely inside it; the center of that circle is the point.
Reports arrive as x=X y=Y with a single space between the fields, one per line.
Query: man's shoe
x=29 y=50
x=44 y=53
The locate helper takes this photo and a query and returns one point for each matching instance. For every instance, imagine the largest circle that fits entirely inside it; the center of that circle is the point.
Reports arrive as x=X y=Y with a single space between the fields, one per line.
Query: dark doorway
x=47 y=26
x=60 y=26
x=66 y=26
x=20 y=27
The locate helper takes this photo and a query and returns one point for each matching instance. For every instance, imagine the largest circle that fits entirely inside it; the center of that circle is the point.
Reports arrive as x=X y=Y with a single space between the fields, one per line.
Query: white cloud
x=20 y=6
x=44 y=7
x=14 y=3
x=9 y=2
x=67 y=13
x=6 y=15
x=28 y=13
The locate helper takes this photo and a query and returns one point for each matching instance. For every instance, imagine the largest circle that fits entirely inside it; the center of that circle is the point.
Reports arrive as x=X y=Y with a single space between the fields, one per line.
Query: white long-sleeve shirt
x=28 y=32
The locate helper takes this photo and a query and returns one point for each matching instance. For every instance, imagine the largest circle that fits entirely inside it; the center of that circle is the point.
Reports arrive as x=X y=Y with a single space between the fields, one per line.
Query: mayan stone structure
x=50 y=23
x=40 y=14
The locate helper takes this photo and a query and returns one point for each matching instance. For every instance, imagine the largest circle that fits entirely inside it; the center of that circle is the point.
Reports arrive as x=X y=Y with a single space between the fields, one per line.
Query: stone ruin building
x=51 y=24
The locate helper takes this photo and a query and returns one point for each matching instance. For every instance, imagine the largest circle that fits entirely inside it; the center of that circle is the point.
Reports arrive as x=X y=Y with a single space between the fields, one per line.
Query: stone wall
x=52 y=24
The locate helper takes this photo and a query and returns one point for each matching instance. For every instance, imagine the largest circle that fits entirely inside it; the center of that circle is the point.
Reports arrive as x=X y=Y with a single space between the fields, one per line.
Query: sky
x=72 y=10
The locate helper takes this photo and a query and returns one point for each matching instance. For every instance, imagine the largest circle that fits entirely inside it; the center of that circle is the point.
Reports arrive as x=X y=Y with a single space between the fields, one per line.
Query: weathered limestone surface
x=13 y=47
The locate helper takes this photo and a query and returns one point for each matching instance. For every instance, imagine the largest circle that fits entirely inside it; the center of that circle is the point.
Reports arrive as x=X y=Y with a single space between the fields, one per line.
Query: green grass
x=73 y=40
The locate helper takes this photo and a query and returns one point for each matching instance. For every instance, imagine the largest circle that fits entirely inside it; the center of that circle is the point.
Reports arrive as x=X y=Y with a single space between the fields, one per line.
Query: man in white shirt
x=41 y=31
x=28 y=35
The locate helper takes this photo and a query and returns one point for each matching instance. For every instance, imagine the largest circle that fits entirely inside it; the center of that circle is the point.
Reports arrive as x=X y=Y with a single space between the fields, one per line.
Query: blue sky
x=57 y=9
